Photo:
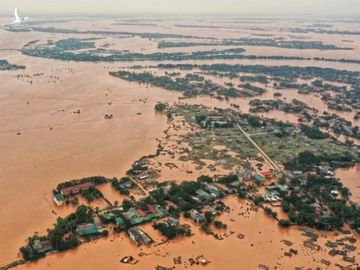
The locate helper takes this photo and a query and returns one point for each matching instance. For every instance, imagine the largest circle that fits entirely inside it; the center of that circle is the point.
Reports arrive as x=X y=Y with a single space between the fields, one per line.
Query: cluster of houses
x=208 y=193
x=133 y=216
x=198 y=215
x=342 y=247
x=41 y=246
x=140 y=170
x=325 y=171
x=259 y=178
x=138 y=216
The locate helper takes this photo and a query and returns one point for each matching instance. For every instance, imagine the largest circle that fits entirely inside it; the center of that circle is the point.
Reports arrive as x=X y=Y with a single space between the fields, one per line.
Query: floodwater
x=262 y=244
x=44 y=141
x=350 y=177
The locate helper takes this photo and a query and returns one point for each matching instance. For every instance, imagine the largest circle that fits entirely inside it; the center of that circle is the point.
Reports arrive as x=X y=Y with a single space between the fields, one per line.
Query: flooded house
x=139 y=236
x=58 y=199
x=197 y=216
x=76 y=188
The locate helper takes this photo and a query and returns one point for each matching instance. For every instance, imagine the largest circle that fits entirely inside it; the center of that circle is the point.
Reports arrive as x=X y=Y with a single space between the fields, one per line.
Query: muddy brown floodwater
x=44 y=140
x=350 y=177
x=262 y=244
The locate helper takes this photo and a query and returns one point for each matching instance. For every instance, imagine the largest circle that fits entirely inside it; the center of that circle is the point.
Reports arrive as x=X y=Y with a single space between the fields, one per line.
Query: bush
x=284 y=223
x=160 y=107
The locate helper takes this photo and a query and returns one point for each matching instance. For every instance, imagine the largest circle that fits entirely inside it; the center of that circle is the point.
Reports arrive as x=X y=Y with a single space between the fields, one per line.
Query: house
x=76 y=188
x=316 y=207
x=277 y=187
x=126 y=184
x=297 y=173
x=267 y=174
x=107 y=217
x=196 y=199
x=134 y=235
x=119 y=222
x=139 y=236
x=171 y=221
x=137 y=216
x=245 y=175
x=140 y=164
x=133 y=216
x=141 y=212
x=58 y=199
x=143 y=177
x=197 y=216
x=150 y=182
x=210 y=209
x=271 y=197
x=99 y=225
x=216 y=121
x=87 y=229
x=151 y=208
x=42 y=246
x=169 y=205
x=159 y=210
x=259 y=178
x=213 y=190
x=203 y=195
x=325 y=170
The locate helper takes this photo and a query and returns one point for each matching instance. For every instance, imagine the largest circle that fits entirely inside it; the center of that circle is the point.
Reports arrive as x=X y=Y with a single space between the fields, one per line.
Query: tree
x=314 y=133
x=218 y=224
x=307 y=158
x=205 y=178
x=126 y=204
x=208 y=216
x=284 y=223
x=160 y=107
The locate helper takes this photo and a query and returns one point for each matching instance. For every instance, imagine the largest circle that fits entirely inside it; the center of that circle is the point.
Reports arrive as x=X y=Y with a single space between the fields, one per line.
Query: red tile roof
x=141 y=212
x=171 y=204
x=267 y=173
x=76 y=187
x=151 y=208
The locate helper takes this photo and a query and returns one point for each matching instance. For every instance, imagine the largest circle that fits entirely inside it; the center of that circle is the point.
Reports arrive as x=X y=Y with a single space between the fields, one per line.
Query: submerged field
x=57 y=98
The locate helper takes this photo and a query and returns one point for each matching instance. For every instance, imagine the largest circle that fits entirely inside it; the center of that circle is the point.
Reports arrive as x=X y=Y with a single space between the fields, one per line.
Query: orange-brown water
x=261 y=245
x=351 y=179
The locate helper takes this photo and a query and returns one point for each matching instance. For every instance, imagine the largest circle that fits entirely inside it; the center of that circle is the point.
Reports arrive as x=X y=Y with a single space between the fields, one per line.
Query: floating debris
x=162 y=268
x=287 y=242
x=127 y=259
x=327 y=263
x=240 y=236
x=177 y=260
x=202 y=260
x=108 y=116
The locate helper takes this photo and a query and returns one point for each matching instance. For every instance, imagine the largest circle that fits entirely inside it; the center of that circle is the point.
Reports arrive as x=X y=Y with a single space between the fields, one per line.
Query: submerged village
x=180 y=143
x=219 y=143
